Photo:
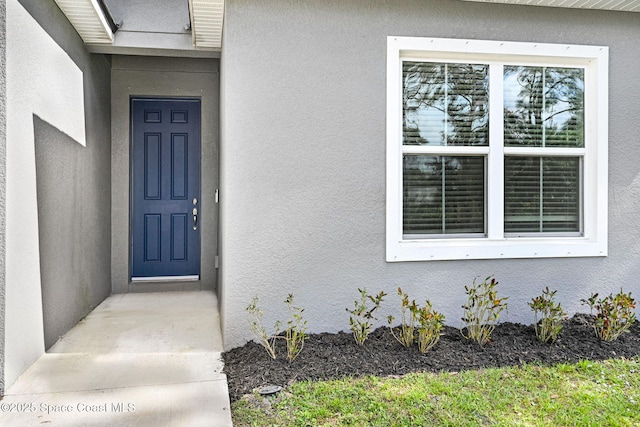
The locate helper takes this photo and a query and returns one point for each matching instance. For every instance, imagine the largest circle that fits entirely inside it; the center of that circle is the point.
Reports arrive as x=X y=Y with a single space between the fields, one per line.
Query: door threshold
x=157 y=279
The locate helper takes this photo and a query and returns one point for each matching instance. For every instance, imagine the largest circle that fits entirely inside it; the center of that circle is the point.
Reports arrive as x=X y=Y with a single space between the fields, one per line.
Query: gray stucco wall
x=163 y=77
x=3 y=169
x=73 y=190
x=303 y=156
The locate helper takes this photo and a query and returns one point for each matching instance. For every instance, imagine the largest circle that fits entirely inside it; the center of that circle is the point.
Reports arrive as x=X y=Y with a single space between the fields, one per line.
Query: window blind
x=443 y=195
x=542 y=194
x=444 y=105
x=543 y=108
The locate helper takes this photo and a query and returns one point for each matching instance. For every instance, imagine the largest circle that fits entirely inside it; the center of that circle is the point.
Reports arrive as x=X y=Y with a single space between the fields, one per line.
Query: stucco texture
x=303 y=156
x=58 y=174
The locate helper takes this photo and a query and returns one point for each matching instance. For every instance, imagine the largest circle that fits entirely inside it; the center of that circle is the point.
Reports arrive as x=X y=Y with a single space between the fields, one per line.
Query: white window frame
x=495 y=245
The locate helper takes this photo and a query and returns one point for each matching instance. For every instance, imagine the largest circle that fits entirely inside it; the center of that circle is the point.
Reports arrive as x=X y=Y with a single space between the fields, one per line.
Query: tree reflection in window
x=543 y=106
x=445 y=104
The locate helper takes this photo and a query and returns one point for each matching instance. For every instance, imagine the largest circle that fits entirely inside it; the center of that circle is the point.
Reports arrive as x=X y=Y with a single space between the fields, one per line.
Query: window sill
x=508 y=248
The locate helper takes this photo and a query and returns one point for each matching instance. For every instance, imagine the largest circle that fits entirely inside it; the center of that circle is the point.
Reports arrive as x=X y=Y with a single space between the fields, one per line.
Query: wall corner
x=3 y=170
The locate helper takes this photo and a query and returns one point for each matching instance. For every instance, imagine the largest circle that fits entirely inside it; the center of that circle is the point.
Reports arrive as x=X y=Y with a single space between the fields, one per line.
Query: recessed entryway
x=165 y=82
x=165 y=189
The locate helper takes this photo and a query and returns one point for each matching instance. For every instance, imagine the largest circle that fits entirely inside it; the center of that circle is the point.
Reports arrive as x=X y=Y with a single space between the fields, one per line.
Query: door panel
x=165 y=183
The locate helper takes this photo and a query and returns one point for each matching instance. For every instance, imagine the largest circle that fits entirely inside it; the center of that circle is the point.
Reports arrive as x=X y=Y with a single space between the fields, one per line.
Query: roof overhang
x=621 y=5
x=206 y=22
x=88 y=19
x=202 y=36
x=93 y=22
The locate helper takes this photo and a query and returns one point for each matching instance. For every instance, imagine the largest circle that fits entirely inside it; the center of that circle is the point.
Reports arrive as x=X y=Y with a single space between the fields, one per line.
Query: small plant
x=425 y=320
x=430 y=323
x=255 y=324
x=405 y=335
x=362 y=316
x=548 y=316
x=294 y=334
x=614 y=314
x=296 y=331
x=482 y=310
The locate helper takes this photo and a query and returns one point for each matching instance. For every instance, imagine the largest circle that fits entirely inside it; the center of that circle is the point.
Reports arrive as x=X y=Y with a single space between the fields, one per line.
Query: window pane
x=445 y=104
x=542 y=194
x=443 y=195
x=543 y=106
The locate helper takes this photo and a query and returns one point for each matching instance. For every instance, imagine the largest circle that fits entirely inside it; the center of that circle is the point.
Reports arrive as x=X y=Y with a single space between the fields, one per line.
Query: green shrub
x=430 y=323
x=405 y=334
x=482 y=310
x=294 y=334
x=296 y=331
x=363 y=316
x=425 y=321
x=258 y=330
x=548 y=316
x=614 y=314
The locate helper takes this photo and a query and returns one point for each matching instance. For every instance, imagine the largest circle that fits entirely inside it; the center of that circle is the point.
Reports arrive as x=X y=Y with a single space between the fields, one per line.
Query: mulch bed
x=329 y=356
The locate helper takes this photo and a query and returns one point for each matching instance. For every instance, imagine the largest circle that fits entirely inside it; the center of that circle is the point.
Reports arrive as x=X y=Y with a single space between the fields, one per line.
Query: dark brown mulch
x=329 y=356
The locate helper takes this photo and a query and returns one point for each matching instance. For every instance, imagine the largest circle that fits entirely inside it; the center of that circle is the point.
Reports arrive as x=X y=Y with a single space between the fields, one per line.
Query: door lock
x=195 y=218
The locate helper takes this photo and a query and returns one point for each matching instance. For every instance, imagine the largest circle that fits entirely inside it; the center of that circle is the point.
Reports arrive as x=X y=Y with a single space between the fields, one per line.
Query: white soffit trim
x=206 y=23
x=88 y=20
x=622 y=5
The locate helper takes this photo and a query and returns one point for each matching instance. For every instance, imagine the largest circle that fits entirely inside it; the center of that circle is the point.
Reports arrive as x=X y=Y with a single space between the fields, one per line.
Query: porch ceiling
x=148 y=27
x=206 y=22
x=88 y=20
x=622 y=5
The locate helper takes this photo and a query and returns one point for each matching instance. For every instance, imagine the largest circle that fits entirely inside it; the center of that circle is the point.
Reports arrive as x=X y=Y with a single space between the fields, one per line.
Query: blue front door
x=165 y=183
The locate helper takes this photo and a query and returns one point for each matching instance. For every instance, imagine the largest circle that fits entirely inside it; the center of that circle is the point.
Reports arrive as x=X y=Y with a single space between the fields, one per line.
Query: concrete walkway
x=137 y=360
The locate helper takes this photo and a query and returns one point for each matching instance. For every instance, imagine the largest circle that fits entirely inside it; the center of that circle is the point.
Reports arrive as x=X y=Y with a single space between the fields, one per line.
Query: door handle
x=195 y=219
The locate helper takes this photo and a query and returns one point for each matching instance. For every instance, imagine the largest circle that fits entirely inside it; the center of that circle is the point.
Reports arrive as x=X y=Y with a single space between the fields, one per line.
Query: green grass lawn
x=583 y=394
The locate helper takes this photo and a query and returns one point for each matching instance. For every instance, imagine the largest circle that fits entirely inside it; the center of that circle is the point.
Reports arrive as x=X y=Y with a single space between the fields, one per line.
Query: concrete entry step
x=136 y=360
x=165 y=286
